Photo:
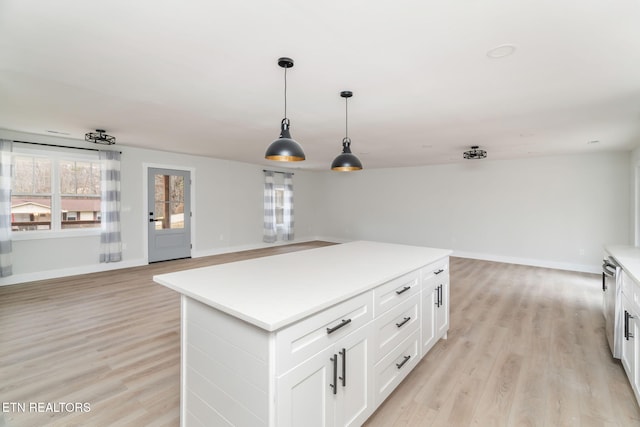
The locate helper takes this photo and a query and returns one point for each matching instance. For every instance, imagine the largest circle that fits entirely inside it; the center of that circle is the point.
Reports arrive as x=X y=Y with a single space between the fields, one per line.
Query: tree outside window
x=54 y=193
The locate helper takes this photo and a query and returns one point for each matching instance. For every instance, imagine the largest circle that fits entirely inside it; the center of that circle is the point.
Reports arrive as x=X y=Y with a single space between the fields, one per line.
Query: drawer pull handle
x=438 y=272
x=343 y=353
x=335 y=328
x=627 y=332
x=404 y=321
x=334 y=386
x=405 y=360
x=403 y=290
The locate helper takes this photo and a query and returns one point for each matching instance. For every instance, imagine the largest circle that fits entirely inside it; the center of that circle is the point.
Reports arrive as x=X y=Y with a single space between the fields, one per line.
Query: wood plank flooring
x=526 y=347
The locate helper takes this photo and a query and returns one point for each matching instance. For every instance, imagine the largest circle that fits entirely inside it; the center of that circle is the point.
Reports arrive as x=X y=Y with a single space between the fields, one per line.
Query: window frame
x=56 y=156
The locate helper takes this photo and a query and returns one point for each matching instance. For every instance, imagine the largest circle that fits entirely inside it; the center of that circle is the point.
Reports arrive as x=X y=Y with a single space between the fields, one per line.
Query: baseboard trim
x=252 y=246
x=96 y=268
x=582 y=268
x=66 y=272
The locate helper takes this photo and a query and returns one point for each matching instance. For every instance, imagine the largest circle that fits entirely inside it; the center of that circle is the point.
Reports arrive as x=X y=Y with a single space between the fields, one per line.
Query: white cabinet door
x=442 y=307
x=627 y=356
x=435 y=304
x=634 y=330
x=429 y=299
x=631 y=344
x=333 y=388
x=355 y=384
x=305 y=394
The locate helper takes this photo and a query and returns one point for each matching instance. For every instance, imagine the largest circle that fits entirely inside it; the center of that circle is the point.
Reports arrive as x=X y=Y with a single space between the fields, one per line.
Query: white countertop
x=628 y=257
x=273 y=292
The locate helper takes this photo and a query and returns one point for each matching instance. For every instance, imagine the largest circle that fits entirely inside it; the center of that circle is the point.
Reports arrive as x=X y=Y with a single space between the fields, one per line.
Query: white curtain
x=110 y=239
x=269 y=224
x=287 y=209
x=5 y=208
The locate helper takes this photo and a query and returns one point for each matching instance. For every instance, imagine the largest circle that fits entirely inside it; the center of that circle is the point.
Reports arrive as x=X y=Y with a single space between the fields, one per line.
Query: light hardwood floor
x=526 y=347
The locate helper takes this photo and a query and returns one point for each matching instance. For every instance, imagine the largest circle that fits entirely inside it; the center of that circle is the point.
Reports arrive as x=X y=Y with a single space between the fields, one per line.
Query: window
x=31 y=193
x=54 y=190
x=169 y=201
x=278 y=198
x=79 y=193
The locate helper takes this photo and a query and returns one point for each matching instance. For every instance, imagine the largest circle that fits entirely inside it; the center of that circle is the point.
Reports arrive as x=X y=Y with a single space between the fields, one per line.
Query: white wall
x=634 y=197
x=227 y=207
x=551 y=211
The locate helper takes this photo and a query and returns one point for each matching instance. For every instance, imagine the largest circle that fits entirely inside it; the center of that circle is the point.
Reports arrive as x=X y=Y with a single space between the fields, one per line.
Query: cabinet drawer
x=392 y=293
x=391 y=370
x=396 y=325
x=435 y=273
x=300 y=341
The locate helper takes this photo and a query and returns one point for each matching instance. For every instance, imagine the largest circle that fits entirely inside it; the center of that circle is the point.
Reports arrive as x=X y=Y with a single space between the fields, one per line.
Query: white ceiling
x=201 y=76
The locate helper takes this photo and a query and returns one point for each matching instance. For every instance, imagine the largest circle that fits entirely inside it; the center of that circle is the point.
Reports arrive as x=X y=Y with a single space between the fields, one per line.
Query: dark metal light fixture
x=474 y=153
x=285 y=148
x=99 y=137
x=346 y=161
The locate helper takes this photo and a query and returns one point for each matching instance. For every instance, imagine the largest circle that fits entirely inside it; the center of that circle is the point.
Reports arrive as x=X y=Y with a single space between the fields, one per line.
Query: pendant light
x=346 y=161
x=285 y=149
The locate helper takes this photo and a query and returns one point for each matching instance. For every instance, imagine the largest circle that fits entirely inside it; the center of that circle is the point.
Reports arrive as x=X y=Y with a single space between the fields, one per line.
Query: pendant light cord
x=346 y=119
x=285 y=92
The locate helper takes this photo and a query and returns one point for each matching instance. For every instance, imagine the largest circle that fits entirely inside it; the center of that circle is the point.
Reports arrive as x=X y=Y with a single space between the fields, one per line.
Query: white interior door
x=169 y=211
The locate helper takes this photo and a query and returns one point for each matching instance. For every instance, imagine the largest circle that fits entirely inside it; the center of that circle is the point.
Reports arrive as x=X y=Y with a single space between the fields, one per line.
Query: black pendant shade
x=285 y=148
x=347 y=161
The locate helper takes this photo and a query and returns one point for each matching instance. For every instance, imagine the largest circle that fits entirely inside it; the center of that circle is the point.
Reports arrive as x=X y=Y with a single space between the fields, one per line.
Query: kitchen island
x=627 y=309
x=316 y=337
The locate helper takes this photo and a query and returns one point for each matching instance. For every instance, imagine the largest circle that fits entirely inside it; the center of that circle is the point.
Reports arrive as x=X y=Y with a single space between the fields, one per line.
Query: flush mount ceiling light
x=501 y=51
x=285 y=149
x=474 y=153
x=100 y=137
x=346 y=161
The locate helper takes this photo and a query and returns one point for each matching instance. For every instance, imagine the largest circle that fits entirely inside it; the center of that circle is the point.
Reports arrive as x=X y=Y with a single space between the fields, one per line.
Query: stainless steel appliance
x=612 y=288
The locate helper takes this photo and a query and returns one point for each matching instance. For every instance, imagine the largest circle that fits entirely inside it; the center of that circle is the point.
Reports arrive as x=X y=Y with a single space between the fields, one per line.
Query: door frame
x=145 y=197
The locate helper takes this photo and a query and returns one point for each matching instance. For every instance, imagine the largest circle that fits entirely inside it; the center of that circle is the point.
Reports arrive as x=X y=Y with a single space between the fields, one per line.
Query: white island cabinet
x=628 y=257
x=311 y=338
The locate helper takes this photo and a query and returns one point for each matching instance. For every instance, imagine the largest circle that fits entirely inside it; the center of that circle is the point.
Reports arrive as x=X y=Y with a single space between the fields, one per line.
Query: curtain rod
x=266 y=170
x=61 y=146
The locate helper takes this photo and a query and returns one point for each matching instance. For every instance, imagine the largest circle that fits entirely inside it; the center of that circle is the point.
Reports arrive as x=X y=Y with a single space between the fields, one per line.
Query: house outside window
x=54 y=191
